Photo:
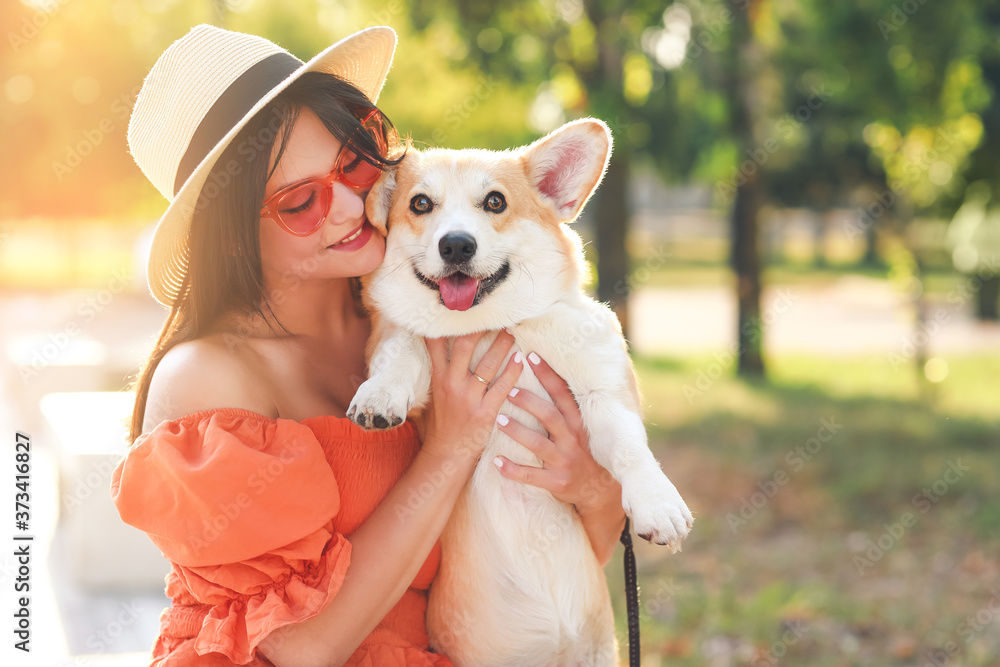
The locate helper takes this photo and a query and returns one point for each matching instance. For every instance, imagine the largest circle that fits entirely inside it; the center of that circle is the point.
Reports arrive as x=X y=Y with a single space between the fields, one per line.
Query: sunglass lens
x=302 y=209
x=358 y=172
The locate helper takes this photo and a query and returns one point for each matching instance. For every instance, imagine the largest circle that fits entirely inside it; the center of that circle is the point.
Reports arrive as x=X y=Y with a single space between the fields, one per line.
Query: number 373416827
x=22 y=481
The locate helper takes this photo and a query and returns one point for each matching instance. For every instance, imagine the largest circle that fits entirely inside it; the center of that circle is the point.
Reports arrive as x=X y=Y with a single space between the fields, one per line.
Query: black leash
x=631 y=597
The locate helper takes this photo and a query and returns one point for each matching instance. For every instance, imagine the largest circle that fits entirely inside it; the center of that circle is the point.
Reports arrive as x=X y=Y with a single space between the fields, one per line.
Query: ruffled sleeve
x=243 y=507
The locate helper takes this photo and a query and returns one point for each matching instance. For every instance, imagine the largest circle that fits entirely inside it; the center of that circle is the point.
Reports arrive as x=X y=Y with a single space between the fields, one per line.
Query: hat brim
x=363 y=59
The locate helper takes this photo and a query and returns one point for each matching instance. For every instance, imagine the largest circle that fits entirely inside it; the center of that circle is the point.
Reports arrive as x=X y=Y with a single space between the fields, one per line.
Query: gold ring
x=480 y=379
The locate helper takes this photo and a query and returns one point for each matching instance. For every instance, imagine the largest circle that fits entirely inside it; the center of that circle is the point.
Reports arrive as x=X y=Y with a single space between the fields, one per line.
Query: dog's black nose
x=457 y=247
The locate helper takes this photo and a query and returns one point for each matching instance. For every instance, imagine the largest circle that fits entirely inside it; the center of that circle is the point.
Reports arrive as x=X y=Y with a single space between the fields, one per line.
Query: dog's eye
x=421 y=204
x=494 y=202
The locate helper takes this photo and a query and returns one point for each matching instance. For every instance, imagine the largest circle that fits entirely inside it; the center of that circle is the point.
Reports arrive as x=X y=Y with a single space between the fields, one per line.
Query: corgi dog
x=478 y=240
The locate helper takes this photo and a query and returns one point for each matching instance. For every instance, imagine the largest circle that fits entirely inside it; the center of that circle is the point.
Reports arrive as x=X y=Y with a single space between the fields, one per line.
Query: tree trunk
x=871 y=257
x=611 y=229
x=819 y=237
x=745 y=251
x=920 y=340
x=745 y=259
x=988 y=299
x=604 y=87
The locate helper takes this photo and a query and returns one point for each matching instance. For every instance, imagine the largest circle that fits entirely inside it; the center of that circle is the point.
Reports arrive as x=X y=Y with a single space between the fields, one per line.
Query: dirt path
x=853 y=315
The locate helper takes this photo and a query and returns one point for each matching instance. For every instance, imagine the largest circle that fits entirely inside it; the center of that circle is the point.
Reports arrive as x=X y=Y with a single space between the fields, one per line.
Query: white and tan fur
x=519 y=583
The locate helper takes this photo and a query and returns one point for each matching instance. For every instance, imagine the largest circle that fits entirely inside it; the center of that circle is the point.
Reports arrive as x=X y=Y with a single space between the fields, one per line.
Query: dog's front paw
x=657 y=510
x=377 y=407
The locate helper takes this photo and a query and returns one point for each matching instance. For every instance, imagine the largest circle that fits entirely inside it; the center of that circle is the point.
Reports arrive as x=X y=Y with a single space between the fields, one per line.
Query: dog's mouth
x=460 y=291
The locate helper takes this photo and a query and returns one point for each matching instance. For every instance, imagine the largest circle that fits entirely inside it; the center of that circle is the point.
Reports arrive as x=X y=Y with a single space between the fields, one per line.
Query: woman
x=279 y=516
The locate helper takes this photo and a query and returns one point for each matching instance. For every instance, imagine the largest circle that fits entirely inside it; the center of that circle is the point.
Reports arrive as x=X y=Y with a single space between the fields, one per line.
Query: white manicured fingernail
x=502 y=420
x=534 y=358
x=498 y=462
x=518 y=358
x=513 y=392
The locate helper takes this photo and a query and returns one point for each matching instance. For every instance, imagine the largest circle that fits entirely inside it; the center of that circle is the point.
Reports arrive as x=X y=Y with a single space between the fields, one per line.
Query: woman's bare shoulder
x=204 y=374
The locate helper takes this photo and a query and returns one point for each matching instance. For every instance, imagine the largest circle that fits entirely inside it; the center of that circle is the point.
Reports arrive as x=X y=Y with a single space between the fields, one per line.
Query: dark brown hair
x=224 y=262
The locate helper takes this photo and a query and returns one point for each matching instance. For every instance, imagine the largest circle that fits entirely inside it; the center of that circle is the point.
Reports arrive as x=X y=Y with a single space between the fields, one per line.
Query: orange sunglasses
x=301 y=208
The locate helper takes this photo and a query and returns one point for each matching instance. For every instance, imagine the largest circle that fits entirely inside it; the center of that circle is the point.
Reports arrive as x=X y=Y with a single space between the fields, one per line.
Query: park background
x=800 y=230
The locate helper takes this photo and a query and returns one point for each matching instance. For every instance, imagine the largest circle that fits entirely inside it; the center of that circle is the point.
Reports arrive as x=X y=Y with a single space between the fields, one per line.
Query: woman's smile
x=355 y=240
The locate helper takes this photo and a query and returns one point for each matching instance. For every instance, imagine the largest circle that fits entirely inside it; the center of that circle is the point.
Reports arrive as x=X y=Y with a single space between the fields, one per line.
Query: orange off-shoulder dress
x=255 y=515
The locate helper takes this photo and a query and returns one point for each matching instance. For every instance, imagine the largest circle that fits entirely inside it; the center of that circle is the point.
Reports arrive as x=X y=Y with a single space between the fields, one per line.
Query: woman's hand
x=569 y=471
x=464 y=409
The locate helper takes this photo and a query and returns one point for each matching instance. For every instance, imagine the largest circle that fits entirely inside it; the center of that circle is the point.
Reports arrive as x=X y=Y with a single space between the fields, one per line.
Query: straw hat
x=200 y=93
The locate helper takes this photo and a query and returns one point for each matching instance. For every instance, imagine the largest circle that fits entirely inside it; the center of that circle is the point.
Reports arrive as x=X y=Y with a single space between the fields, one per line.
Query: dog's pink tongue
x=458 y=291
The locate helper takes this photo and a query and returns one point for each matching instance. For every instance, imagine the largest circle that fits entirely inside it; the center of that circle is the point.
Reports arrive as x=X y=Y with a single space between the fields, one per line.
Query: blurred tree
x=974 y=236
x=894 y=136
x=612 y=60
x=823 y=162
x=714 y=116
x=68 y=95
x=927 y=124
x=849 y=71
x=976 y=240
x=742 y=80
x=72 y=73
x=879 y=104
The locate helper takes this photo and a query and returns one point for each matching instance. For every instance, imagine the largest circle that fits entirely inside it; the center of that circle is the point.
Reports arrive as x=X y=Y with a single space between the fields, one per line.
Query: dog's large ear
x=566 y=166
x=379 y=200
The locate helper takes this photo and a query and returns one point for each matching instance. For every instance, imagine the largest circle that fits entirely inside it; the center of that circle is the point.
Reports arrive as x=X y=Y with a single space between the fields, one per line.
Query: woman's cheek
x=282 y=254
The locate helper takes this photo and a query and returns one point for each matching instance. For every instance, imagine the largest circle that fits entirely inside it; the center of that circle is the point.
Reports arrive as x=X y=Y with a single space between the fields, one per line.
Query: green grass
x=801 y=561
